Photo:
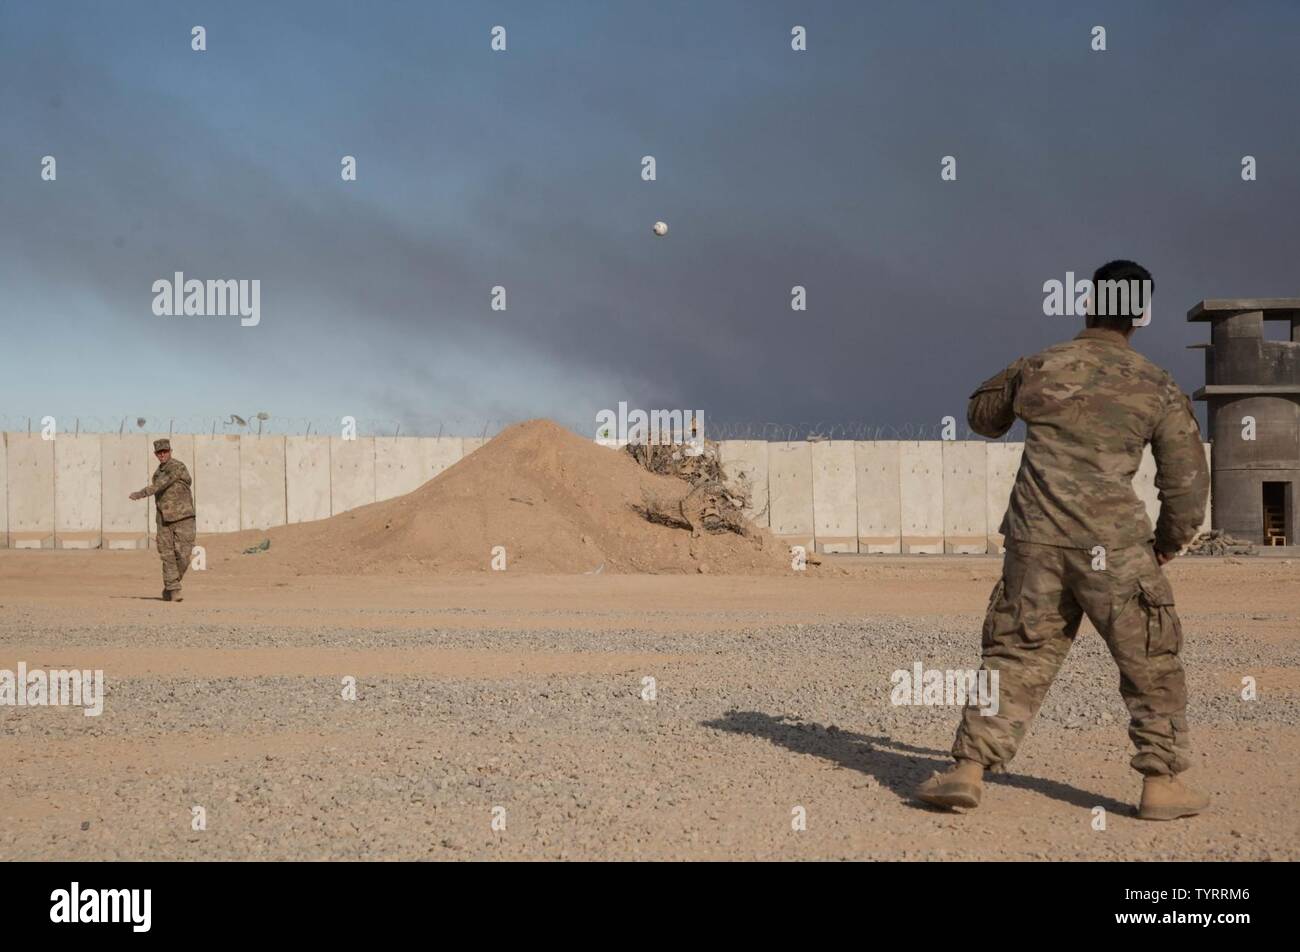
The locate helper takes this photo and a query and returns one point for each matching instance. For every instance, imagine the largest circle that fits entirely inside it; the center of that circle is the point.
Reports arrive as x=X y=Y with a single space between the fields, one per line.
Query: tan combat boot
x=1164 y=797
x=958 y=787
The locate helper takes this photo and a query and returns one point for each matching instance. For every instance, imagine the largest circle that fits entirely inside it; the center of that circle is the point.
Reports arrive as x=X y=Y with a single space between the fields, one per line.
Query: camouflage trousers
x=175 y=543
x=1033 y=615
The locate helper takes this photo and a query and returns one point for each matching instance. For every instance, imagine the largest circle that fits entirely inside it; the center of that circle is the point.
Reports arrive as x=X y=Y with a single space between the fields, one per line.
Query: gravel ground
x=756 y=721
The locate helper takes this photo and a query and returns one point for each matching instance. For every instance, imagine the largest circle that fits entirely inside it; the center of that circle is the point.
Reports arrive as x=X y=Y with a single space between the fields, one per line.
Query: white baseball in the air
x=661 y=228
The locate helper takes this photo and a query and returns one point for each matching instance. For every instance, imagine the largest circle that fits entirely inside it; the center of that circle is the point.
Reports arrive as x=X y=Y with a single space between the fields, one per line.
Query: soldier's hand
x=137 y=495
x=1164 y=557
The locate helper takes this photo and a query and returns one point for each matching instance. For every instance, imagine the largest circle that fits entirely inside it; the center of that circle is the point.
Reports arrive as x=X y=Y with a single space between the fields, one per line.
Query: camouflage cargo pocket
x=1164 y=630
x=991 y=614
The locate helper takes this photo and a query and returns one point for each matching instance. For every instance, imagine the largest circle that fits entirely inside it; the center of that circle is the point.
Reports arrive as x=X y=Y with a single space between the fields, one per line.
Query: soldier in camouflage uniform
x=1078 y=542
x=170 y=488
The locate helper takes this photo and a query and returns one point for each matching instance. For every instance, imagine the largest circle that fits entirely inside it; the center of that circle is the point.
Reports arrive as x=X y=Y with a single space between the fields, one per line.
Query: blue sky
x=522 y=169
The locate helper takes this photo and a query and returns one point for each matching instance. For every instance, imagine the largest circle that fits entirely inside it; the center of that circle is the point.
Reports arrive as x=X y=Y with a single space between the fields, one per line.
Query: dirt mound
x=555 y=502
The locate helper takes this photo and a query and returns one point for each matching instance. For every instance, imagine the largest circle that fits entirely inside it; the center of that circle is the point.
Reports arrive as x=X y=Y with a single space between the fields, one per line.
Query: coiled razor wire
x=266 y=425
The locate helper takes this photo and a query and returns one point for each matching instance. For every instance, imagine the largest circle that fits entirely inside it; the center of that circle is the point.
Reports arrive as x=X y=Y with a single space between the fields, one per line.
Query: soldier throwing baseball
x=1079 y=542
x=170 y=488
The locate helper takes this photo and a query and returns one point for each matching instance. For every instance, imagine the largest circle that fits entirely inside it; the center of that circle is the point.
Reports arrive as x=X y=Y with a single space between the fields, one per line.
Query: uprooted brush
x=714 y=504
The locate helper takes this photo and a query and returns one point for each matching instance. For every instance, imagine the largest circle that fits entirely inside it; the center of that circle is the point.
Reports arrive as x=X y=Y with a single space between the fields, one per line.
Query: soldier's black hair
x=1131 y=274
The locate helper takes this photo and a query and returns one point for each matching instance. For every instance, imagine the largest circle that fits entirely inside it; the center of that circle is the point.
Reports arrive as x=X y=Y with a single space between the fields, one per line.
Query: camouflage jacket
x=1090 y=405
x=171 y=484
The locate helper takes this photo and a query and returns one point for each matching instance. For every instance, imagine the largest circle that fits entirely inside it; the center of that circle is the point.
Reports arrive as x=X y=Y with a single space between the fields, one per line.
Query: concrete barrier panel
x=747 y=460
x=471 y=443
x=261 y=482
x=78 y=478
x=216 y=483
x=307 y=478
x=878 y=482
x=352 y=473
x=790 y=492
x=183 y=450
x=4 y=491
x=30 y=466
x=920 y=497
x=439 y=453
x=1144 y=484
x=399 y=466
x=125 y=468
x=1003 y=462
x=965 y=497
x=835 y=496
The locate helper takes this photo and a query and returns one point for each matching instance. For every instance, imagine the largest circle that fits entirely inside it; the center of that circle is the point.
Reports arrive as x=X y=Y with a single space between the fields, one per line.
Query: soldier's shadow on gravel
x=140 y=598
x=896 y=766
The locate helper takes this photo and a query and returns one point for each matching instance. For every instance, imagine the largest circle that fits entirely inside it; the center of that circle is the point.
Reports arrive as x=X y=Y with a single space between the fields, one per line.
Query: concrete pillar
x=307 y=478
x=183 y=450
x=965 y=497
x=746 y=460
x=790 y=492
x=835 y=496
x=216 y=483
x=78 y=480
x=352 y=473
x=1208 y=521
x=261 y=482
x=1003 y=463
x=31 y=491
x=920 y=467
x=878 y=485
x=125 y=469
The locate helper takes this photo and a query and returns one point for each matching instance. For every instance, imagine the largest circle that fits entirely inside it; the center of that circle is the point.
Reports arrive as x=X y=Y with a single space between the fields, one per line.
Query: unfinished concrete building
x=1252 y=395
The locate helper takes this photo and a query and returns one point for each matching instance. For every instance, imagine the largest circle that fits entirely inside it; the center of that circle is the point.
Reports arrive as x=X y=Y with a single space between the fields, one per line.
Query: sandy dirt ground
x=520 y=700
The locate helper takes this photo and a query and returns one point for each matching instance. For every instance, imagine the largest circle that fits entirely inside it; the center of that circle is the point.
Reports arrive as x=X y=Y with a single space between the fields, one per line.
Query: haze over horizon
x=522 y=169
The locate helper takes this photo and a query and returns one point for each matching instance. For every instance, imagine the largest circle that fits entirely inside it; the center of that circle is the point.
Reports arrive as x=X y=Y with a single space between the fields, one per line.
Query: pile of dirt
x=555 y=503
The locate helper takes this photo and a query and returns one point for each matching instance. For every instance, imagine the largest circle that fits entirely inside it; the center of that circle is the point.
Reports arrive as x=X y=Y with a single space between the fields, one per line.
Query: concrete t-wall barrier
x=1003 y=462
x=352 y=473
x=965 y=497
x=1144 y=484
x=216 y=483
x=4 y=491
x=471 y=443
x=261 y=482
x=183 y=450
x=77 y=487
x=831 y=496
x=440 y=453
x=125 y=469
x=404 y=464
x=920 y=467
x=30 y=466
x=307 y=478
x=747 y=460
x=399 y=468
x=878 y=486
x=790 y=492
x=835 y=496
